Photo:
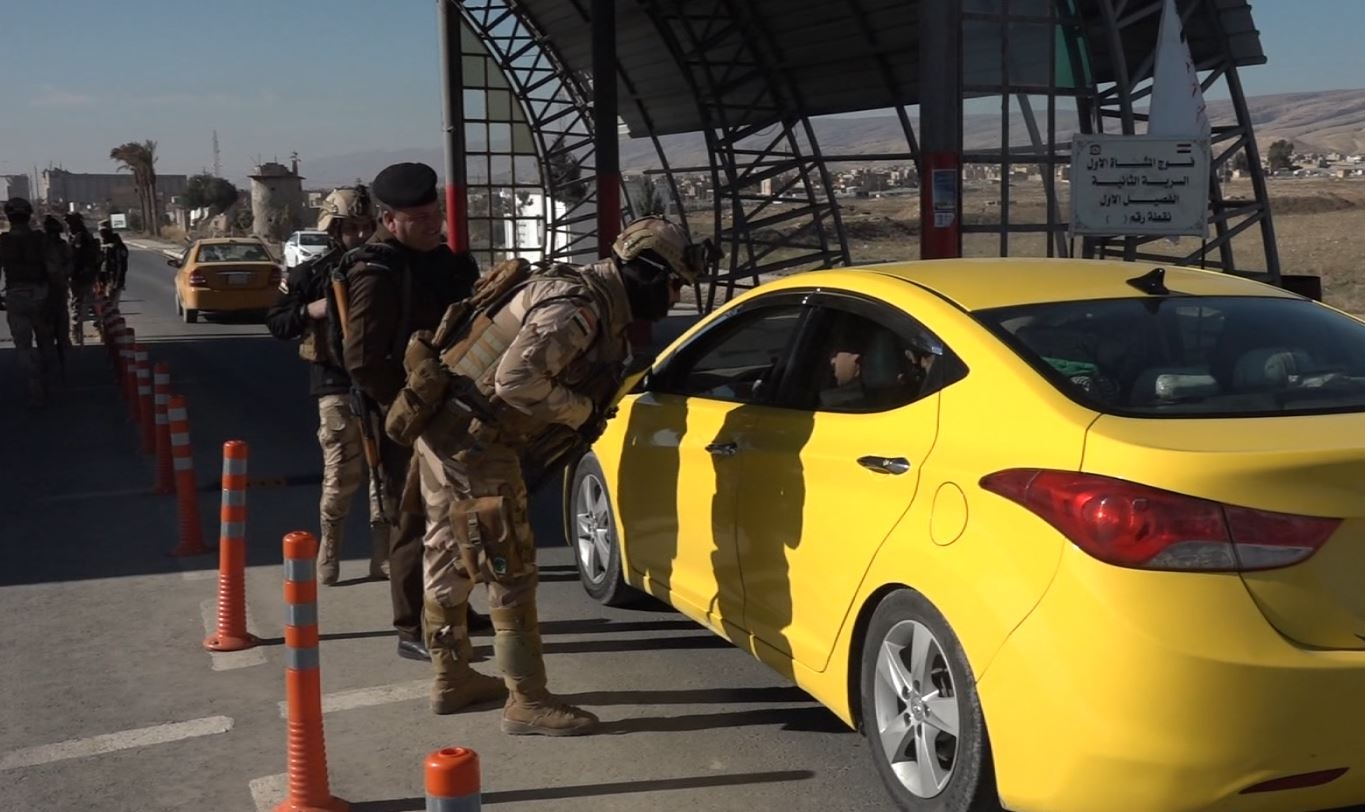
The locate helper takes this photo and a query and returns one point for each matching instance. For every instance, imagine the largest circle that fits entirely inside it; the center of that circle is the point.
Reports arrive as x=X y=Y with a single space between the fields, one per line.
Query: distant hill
x=1325 y=121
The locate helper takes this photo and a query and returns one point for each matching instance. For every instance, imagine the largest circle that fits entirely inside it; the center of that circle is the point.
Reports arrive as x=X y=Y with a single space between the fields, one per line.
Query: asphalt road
x=110 y=701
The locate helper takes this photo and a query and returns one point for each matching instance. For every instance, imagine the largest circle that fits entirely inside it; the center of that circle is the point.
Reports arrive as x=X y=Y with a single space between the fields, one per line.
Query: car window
x=861 y=364
x=1193 y=356
x=739 y=360
x=312 y=239
x=232 y=252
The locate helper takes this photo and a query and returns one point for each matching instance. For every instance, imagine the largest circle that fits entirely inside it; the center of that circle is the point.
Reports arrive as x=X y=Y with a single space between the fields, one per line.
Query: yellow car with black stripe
x=1053 y=534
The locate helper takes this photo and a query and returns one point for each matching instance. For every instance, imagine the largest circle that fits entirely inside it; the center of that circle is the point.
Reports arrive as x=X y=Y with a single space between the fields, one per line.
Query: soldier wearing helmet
x=552 y=360
x=303 y=315
x=25 y=267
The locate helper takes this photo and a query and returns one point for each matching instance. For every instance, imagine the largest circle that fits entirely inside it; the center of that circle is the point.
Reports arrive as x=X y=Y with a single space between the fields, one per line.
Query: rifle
x=363 y=408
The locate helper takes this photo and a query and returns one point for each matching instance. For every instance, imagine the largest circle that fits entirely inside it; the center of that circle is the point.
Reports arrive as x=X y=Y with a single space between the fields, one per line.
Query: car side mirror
x=174 y=263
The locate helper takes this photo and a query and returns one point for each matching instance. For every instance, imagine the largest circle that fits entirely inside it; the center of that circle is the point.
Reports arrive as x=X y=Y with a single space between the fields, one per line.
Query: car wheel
x=190 y=316
x=921 y=713
x=592 y=533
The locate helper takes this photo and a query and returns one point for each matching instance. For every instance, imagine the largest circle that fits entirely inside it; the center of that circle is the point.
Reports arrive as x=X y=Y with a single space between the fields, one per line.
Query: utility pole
x=217 y=158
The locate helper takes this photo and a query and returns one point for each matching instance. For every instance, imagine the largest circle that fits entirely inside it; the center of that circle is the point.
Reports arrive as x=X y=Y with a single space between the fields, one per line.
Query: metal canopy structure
x=751 y=76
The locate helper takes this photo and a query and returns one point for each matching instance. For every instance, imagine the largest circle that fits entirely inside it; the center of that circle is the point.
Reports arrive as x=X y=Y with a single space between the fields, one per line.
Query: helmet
x=347 y=203
x=17 y=208
x=657 y=242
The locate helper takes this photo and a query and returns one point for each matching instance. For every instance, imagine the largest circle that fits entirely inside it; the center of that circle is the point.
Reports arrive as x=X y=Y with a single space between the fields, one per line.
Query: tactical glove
x=592 y=430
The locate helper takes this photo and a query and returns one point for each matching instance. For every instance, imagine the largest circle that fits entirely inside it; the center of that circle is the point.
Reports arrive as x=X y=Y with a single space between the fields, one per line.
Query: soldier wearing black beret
x=398 y=283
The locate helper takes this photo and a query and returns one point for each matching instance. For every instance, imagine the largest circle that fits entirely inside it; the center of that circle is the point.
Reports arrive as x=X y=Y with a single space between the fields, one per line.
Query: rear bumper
x=225 y=300
x=1127 y=690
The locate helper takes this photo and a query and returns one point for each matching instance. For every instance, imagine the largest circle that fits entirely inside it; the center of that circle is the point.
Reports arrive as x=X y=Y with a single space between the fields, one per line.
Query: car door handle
x=885 y=465
x=723 y=449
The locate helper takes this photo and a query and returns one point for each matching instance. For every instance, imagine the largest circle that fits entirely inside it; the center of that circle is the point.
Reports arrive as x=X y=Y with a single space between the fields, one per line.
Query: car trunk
x=1302 y=465
x=244 y=276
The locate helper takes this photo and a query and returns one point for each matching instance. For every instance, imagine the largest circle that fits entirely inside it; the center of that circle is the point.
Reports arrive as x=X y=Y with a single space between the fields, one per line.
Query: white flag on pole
x=1177 y=99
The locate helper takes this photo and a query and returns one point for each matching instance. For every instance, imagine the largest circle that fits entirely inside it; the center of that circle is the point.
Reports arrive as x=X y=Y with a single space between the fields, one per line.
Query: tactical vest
x=85 y=258
x=23 y=255
x=471 y=343
x=321 y=341
x=478 y=360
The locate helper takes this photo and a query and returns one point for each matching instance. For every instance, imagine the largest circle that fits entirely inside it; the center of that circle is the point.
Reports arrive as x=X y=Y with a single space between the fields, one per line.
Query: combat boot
x=456 y=684
x=531 y=710
x=329 y=568
x=379 y=552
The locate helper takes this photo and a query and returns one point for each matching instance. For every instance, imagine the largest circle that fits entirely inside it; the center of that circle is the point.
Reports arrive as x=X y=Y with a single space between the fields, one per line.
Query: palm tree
x=140 y=159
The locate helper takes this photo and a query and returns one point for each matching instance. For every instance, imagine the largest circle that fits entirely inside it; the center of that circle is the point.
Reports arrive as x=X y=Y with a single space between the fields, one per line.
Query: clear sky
x=329 y=77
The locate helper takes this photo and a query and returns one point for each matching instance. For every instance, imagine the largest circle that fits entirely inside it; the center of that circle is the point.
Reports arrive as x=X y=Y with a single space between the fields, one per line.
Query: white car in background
x=304 y=245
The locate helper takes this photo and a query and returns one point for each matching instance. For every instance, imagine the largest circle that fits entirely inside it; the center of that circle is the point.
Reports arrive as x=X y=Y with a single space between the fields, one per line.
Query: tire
x=590 y=529
x=961 y=777
x=190 y=316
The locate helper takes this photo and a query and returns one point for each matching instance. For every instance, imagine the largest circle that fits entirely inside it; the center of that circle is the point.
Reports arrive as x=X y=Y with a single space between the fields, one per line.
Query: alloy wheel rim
x=593 y=529
x=916 y=709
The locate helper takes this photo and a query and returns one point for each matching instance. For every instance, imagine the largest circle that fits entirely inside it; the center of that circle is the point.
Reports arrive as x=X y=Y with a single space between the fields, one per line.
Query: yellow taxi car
x=1053 y=534
x=223 y=275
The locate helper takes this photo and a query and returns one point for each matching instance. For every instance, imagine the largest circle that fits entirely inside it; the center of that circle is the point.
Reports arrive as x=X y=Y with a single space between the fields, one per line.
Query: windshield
x=233 y=252
x=313 y=239
x=1192 y=356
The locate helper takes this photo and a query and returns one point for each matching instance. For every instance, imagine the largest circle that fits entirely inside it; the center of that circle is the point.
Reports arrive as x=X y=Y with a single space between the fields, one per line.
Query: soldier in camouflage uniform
x=559 y=332
x=348 y=219
x=24 y=266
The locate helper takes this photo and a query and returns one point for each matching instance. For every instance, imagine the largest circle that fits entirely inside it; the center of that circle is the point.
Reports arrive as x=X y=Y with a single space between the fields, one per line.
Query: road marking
x=112 y=742
x=78 y=497
x=269 y=791
x=369 y=697
x=229 y=660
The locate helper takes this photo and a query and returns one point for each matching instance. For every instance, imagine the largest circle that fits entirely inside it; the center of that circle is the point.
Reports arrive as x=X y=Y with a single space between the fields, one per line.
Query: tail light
x=197 y=280
x=1131 y=525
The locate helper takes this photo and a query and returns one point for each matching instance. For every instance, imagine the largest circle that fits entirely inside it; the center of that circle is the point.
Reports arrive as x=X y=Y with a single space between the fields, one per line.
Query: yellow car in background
x=1053 y=534
x=231 y=274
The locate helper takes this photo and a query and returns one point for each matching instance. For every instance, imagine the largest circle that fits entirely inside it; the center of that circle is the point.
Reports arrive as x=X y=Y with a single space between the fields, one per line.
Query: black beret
x=405 y=185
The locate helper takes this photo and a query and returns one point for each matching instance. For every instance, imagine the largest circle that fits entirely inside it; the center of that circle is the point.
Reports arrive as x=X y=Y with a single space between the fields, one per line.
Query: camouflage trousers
x=30 y=324
x=476 y=504
x=343 y=459
x=82 y=299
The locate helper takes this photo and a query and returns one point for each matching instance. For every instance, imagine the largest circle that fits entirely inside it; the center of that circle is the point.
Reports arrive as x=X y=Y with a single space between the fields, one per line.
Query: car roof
x=229 y=241
x=980 y=284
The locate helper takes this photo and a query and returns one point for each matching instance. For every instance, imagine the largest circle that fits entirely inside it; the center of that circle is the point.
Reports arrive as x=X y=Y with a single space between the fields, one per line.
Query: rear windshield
x=312 y=239
x=1192 y=356
x=233 y=252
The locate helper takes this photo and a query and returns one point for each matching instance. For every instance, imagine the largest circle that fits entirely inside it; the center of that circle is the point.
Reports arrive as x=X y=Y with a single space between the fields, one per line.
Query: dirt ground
x=1319 y=229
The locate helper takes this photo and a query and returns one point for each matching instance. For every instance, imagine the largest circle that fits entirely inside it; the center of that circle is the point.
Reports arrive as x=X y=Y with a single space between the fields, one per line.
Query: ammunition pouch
x=486 y=538
x=417 y=403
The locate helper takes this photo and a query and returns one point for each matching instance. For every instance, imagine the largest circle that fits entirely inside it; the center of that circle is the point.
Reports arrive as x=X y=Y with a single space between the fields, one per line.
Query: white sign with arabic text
x=1139 y=185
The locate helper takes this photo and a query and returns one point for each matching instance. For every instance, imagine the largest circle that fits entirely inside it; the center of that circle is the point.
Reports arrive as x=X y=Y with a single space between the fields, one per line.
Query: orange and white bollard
x=452 y=780
x=161 y=404
x=308 y=784
x=232 y=634
x=123 y=339
x=128 y=371
x=191 y=533
x=145 y=416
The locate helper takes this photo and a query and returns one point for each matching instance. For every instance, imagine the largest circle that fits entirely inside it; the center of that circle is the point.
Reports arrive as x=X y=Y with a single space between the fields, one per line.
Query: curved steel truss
x=1091 y=32
x=772 y=192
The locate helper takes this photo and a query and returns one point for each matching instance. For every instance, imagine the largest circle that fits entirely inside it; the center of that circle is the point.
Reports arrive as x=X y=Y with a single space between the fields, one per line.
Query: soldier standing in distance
x=24 y=268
